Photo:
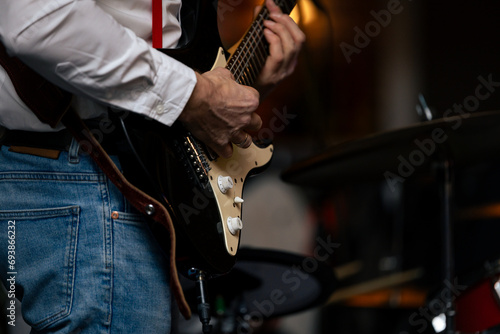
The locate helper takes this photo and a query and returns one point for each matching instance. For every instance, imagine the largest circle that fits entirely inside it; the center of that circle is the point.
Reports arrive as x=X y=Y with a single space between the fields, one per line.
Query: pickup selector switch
x=225 y=183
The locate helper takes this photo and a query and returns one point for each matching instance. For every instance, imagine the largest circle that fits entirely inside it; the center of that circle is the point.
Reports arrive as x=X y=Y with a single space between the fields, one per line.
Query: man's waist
x=109 y=136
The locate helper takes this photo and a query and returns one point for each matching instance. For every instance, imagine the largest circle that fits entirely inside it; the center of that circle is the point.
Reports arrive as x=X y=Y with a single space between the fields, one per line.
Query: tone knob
x=234 y=225
x=225 y=183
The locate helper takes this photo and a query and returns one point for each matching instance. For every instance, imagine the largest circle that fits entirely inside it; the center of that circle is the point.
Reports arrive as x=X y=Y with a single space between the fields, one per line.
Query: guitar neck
x=250 y=56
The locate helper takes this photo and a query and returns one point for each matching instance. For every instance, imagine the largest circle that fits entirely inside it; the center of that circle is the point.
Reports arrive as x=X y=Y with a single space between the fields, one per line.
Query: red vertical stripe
x=157 y=24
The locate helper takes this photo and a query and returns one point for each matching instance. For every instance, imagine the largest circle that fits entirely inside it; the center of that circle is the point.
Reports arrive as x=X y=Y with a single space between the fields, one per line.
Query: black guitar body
x=166 y=172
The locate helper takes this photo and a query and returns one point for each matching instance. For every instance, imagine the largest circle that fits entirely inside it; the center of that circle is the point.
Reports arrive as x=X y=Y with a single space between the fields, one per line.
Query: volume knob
x=234 y=225
x=225 y=183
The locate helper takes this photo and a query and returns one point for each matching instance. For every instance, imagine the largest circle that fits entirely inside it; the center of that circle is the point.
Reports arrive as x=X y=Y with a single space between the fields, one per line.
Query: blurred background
x=367 y=69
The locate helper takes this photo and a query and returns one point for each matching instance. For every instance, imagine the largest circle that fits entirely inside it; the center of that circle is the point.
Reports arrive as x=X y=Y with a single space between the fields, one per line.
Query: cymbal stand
x=446 y=184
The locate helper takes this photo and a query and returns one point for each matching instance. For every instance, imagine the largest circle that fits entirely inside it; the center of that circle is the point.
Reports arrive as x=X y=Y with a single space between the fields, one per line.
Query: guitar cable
x=203 y=305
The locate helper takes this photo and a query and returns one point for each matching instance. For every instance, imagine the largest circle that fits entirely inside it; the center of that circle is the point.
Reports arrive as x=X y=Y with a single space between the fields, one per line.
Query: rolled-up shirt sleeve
x=83 y=49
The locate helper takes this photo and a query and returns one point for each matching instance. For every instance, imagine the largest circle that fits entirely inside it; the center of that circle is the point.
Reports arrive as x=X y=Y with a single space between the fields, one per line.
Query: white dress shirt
x=100 y=50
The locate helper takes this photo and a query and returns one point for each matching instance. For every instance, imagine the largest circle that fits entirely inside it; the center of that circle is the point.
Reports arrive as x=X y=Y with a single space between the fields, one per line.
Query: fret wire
x=262 y=51
x=253 y=73
x=240 y=68
x=237 y=72
x=232 y=68
x=249 y=73
x=258 y=21
x=251 y=70
x=240 y=73
x=246 y=46
x=239 y=78
x=244 y=79
x=251 y=76
x=251 y=55
x=247 y=49
x=256 y=67
x=257 y=53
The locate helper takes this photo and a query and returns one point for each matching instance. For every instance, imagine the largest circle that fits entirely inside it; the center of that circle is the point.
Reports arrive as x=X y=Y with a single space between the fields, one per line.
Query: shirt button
x=160 y=110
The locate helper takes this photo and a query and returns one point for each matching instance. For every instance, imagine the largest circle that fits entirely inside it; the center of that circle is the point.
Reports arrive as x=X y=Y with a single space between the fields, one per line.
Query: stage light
x=305 y=12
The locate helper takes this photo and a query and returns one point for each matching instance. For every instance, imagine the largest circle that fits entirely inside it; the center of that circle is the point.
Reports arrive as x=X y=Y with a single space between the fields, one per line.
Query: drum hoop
x=324 y=274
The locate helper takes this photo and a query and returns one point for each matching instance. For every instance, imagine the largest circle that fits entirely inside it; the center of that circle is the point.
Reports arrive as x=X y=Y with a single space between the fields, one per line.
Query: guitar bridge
x=194 y=158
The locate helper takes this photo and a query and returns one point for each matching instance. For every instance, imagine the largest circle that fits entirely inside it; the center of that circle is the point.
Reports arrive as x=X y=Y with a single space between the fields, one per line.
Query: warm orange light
x=305 y=12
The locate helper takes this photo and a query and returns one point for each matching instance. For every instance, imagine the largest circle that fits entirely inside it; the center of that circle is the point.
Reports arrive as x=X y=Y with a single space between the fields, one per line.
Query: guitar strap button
x=149 y=209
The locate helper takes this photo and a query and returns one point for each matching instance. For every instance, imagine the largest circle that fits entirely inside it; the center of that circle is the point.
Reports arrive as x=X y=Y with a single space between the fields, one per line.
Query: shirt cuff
x=174 y=84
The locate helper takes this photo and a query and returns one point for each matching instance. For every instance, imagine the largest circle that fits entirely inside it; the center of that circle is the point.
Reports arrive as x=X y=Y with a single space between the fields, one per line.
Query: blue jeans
x=81 y=260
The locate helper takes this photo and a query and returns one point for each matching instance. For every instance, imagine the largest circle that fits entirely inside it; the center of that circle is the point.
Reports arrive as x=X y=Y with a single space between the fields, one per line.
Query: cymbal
x=402 y=153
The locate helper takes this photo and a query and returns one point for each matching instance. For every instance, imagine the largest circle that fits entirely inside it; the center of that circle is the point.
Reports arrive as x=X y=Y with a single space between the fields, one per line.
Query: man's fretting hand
x=285 y=40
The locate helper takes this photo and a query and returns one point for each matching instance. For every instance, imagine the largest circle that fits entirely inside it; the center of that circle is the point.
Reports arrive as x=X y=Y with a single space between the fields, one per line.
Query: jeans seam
x=72 y=265
x=50 y=176
x=108 y=245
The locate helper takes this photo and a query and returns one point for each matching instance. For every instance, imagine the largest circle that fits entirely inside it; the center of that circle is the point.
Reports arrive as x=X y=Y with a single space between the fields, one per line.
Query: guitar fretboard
x=251 y=54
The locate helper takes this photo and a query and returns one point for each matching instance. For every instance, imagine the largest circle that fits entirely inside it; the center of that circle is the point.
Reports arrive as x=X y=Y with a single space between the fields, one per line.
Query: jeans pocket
x=44 y=260
x=134 y=229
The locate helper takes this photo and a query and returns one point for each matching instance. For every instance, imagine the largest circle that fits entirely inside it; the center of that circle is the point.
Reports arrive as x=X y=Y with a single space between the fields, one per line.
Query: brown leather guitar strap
x=51 y=105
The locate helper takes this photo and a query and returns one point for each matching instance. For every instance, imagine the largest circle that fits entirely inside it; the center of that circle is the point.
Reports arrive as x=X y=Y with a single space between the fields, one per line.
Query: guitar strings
x=254 y=48
x=253 y=42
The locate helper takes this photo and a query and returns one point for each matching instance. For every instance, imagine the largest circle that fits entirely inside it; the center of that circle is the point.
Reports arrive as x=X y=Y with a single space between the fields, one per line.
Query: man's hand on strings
x=221 y=111
x=285 y=40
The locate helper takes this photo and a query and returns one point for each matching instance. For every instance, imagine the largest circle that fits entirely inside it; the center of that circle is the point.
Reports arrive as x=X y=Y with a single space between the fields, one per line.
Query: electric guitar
x=202 y=191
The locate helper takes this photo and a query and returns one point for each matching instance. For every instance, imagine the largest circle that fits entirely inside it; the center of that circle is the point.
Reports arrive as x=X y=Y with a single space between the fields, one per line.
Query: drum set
x=467 y=301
